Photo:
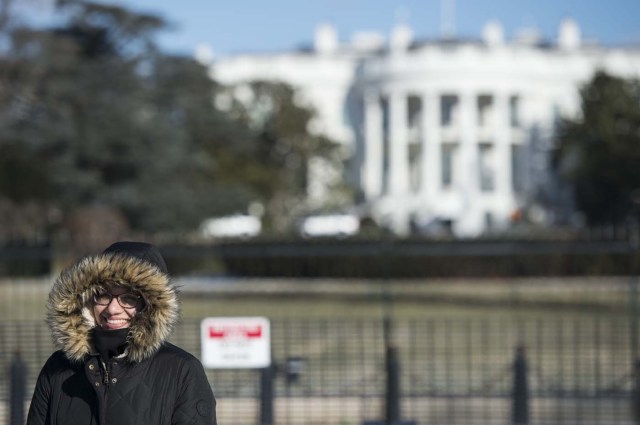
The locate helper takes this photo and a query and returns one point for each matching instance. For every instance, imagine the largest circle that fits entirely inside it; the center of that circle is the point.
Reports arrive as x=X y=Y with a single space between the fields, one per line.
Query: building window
x=414 y=122
x=485 y=106
x=448 y=161
x=557 y=114
x=415 y=166
x=486 y=167
x=518 y=162
x=448 y=110
x=346 y=115
x=514 y=111
x=488 y=222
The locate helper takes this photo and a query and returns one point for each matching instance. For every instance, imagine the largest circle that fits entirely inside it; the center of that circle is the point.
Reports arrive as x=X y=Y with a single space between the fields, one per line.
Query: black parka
x=153 y=382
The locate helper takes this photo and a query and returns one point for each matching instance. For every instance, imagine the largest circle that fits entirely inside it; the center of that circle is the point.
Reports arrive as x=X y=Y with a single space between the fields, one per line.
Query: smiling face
x=113 y=315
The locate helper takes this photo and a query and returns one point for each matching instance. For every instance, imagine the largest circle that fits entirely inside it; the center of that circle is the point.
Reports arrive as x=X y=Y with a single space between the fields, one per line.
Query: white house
x=454 y=130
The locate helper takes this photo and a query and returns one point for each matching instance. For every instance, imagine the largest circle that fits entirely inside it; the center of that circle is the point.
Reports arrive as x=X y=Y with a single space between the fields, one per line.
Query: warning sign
x=235 y=342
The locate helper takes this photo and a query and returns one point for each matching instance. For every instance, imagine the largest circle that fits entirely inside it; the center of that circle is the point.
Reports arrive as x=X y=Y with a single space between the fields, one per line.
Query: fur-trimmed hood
x=135 y=266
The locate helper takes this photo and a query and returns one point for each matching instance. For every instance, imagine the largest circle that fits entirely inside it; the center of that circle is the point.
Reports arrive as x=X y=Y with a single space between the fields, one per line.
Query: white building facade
x=458 y=131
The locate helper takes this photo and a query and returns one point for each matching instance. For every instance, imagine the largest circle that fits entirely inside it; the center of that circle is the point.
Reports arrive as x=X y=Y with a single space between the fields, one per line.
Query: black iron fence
x=553 y=364
x=569 y=369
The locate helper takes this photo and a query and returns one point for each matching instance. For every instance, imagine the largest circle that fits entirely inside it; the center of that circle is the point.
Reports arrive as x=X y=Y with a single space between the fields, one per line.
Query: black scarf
x=109 y=343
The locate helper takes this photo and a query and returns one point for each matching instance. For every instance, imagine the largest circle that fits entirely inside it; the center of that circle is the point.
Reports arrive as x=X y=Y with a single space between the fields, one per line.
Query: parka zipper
x=105 y=375
x=105 y=392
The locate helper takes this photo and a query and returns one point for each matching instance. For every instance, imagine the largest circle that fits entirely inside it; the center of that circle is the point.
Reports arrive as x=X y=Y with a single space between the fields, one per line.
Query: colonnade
x=473 y=135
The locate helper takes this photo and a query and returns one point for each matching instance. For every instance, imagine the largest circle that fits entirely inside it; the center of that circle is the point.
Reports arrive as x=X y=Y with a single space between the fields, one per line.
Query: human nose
x=114 y=305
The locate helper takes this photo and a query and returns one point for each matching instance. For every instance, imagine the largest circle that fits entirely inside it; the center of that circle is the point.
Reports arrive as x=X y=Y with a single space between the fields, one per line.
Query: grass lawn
x=25 y=299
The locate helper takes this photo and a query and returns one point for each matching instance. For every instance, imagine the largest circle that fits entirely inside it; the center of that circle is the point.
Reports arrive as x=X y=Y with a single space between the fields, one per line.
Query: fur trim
x=69 y=315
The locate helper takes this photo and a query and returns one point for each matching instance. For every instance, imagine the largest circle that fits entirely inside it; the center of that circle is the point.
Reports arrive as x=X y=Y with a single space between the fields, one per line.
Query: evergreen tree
x=599 y=151
x=94 y=114
x=283 y=144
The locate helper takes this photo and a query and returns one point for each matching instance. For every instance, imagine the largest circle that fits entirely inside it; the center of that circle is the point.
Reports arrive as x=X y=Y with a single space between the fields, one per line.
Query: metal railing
x=449 y=370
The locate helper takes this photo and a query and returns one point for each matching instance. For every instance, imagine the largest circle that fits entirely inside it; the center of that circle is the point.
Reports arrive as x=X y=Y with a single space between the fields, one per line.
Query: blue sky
x=271 y=25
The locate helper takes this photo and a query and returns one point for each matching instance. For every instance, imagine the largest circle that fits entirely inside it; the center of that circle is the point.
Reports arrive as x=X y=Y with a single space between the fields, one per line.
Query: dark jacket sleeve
x=39 y=408
x=195 y=404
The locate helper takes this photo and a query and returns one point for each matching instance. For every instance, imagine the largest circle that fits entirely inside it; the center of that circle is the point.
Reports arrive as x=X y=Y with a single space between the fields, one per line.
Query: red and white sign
x=235 y=342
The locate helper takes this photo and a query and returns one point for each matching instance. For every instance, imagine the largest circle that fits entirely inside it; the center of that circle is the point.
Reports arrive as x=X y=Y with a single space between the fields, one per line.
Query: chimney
x=401 y=38
x=493 y=34
x=569 y=35
x=326 y=39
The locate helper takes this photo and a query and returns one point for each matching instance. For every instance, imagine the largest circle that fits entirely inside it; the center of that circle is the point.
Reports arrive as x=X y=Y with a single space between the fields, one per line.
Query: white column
x=372 y=172
x=430 y=144
x=502 y=137
x=469 y=143
x=471 y=219
x=398 y=144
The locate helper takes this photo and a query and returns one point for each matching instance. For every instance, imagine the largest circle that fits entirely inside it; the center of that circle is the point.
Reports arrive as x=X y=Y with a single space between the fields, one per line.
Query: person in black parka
x=110 y=316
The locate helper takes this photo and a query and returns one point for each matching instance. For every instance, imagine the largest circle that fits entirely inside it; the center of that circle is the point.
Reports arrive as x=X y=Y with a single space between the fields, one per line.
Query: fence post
x=18 y=378
x=392 y=405
x=520 y=394
x=635 y=393
x=393 y=387
x=267 y=375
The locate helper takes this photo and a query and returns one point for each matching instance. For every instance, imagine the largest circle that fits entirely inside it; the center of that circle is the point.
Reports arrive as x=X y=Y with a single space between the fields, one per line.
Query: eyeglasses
x=126 y=300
